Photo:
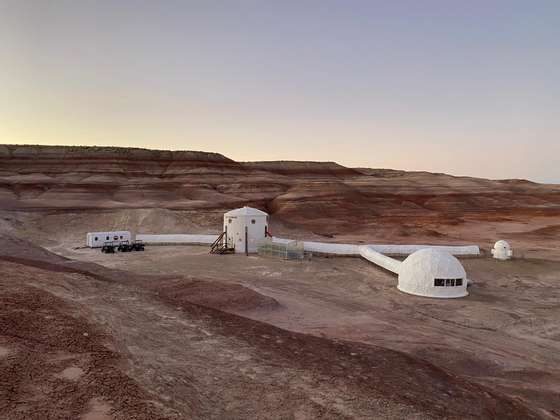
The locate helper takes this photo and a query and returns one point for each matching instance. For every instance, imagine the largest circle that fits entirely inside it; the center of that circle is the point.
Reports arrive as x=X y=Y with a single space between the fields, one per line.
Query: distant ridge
x=104 y=152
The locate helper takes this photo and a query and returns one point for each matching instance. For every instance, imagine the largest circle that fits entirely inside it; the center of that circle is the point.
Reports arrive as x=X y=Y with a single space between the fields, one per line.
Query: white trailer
x=98 y=239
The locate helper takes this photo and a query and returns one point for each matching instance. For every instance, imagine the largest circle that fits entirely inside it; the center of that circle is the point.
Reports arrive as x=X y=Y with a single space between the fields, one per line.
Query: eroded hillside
x=325 y=198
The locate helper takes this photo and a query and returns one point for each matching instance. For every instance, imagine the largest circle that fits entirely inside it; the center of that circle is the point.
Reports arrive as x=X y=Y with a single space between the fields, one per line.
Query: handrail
x=216 y=242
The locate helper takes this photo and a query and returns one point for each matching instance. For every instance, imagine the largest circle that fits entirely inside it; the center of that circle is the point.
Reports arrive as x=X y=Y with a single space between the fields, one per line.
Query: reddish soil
x=212 y=294
x=371 y=370
x=177 y=333
x=46 y=336
x=56 y=363
x=322 y=197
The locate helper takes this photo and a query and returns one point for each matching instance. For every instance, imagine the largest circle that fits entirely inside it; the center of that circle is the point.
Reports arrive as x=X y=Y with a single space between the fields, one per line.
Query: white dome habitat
x=432 y=273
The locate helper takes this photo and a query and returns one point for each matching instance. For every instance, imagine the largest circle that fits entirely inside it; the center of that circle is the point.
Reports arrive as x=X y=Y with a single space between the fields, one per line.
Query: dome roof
x=433 y=273
x=246 y=211
x=502 y=244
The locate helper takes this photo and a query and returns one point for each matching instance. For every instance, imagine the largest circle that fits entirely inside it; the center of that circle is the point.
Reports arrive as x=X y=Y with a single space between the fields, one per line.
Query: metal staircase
x=220 y=245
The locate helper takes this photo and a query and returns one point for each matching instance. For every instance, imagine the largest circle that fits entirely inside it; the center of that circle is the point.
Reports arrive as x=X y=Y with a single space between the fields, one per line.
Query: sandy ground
x=174 y=332
x=505 y=335
x=83 y=341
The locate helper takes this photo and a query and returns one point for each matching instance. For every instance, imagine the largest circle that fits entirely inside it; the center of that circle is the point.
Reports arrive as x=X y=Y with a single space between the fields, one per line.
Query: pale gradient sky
x=463 y=87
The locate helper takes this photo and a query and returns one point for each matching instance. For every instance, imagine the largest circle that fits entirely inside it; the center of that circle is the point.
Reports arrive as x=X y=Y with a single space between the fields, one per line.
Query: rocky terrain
x=322 y=198
x=78 y=340
x=177 y=333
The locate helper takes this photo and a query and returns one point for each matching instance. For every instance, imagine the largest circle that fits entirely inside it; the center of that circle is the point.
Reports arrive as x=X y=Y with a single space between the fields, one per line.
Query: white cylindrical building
x=245 y=228
x=432 y=273
x=502 y=250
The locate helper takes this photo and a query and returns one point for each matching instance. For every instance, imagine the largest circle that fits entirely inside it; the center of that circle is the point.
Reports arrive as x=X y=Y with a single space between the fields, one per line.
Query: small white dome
x=502 y=244
x=246 y=211
x=433 y=273
x=502 y=250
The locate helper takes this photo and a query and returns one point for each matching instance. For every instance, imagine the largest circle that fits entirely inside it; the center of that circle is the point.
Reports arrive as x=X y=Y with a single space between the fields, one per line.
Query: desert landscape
x=176 y=332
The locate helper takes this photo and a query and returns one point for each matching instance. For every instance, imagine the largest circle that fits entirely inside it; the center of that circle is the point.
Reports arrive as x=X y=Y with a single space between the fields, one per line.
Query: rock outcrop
x=324 y=196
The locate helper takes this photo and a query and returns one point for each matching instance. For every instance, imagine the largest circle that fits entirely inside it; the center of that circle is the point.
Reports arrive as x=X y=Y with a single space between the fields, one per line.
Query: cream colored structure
x=432 y=273
x=98 y=239
x=245 y=228
x=502 y=250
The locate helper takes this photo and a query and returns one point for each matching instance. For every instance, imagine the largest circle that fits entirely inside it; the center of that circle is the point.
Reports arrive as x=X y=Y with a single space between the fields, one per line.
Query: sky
x=462 y=87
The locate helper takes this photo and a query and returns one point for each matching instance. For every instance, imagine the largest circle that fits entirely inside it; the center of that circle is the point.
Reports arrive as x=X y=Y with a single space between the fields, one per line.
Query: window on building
x=121 y=237
x=448 y=282
x=252 y=221
x=96 y=238
x=229 y=220
x=107 y=238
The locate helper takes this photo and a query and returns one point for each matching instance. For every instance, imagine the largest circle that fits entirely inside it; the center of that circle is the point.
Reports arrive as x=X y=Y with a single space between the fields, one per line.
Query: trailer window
x=439 y=282
x=253 y=221
x=96 y=238
x=458 y=282
x=107 y=238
